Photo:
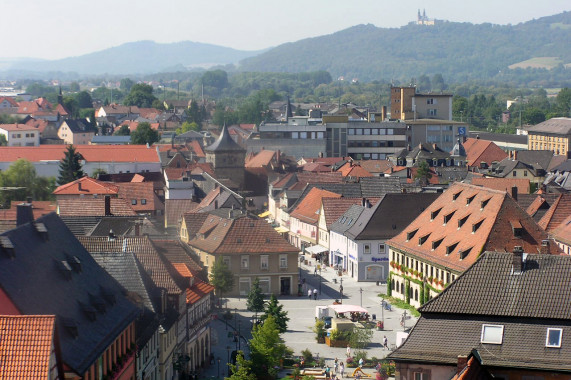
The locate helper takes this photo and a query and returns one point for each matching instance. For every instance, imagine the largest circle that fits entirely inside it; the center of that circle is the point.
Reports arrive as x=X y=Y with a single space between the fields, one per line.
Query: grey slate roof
x=379 y=186
x=347 y=220
x=526 y=304
x=536 y=158
x=389 y=216
x=44 y=277
x=556 y=125
x=224 y=143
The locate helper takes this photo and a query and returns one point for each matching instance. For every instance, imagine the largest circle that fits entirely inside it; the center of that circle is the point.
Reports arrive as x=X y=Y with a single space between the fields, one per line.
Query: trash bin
x=373 y=316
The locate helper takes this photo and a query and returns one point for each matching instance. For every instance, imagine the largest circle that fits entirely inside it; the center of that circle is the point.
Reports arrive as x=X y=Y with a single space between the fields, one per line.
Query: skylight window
x=484 y=203
x=553 y=337
x=492 y=334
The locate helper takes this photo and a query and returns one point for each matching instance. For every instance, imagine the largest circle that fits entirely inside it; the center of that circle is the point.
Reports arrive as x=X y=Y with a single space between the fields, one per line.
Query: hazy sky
x=64 y=28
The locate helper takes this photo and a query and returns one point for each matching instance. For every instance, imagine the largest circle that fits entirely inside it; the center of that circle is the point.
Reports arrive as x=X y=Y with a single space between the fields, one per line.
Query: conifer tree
x=274 y=309
x=255 y=300
x=70 y=167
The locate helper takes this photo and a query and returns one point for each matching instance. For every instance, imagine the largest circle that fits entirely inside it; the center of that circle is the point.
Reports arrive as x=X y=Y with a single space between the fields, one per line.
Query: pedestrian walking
x=315 y=294
x=342 y=369
x=348 y=351
x=309 y=293
x=336 y=365
x=361 y=363
x=341 y=290
x=315 y=270
x=385 y=343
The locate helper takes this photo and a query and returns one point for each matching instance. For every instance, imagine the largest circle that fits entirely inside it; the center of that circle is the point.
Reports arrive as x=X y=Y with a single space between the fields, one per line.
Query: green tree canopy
x=221 y=277
x=255 y=300
x=267 y=348
x=141 y=95
x=123 y=131
x=126 y=84
x=423 y=173
x=21 y=177
x=70 y=167
x=187 y=126
x=74 y=87
x=275 y=310
x=243 y=368
x=144 y=134
x=83 y=99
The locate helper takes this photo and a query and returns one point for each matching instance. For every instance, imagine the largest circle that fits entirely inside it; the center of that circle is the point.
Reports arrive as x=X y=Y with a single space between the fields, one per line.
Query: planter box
x=336 y=343
x=321 y=340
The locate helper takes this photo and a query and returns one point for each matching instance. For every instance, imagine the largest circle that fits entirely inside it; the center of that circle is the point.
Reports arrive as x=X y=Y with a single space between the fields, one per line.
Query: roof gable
x=308 y=209
x=87 y=186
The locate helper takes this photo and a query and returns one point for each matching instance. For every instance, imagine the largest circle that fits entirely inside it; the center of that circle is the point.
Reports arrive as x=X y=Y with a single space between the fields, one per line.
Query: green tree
x=126 y=84
x=83 y=99
x=423 y=173
x=242 y=370
x=255 y=300
x=74 y=87
x=97 y=172
x=275 y=310
x=221 y=278
x=141 y=95
x=360 y=338
x=123 y=131
x=22 y=181
x=187 y=126
x=267 y=348
x=70 y=104
x=144 y=134
x=70 y=167
x=193 y=112
x=3 y=140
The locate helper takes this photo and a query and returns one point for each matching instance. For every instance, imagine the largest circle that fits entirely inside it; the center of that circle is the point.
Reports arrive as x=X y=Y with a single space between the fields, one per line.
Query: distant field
x=538 y=63
x=559 y=25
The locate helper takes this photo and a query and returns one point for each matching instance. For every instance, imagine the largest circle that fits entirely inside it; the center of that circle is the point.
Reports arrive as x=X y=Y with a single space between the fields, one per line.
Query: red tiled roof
x=375 y=166
x=8 y=99
x=61 y=110
x=197 y=149
x=93 y=207
x=478 y=151
x=39 y=124
x=34 y=106
x=26 y=343
x=316 y=167
x=244 y=235
x=87 y=185
x=39 y=208
x=262 y=158
x=198 y=291
x=174 y=252
x=503 y=184
x=334 y=208
x=175 y=208
x=91 y=153
x=182 y=269
x=193 y=222
x=562 y=232
x=308 y=209
x=351 y=170
x=137 y=178
x=468 y=219
x=557 y=213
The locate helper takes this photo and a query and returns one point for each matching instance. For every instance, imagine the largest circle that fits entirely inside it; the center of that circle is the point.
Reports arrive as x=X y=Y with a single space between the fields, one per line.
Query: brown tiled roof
x=333 y=208
x=91 y=153
x=93 y=207
x=465 y=221
x=244 y=235
x=503 y=184
x=39 y=124
x=139 y=192
x=26 y=346
x=316 y=167
x=304 y=178
x=193 y=222
x=562 y=232
x=175 y=208
x=197 y=148
x=352 y=170
x=174 y=252
x=375 y=166
x=559 y=211
x=262 y=158
x=143 y=249
x=478 y=150
x=39 y=208
x=87 y=185
x=17 y=127
x=308 y=209
x=473 y=371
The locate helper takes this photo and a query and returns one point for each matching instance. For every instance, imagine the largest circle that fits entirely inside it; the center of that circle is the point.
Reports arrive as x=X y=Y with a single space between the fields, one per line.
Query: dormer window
x=475 y=226
x=470 y=199
x=436 y=243
x=492 y=334
x=434 y=213
x=463 y=220
x=410 y=235
x=516 y=228
x=456 y=195
x=422 y=239
x=484 y=203
x=448 y=217
x=465 y=252
x=451 y=248
x=553 y=337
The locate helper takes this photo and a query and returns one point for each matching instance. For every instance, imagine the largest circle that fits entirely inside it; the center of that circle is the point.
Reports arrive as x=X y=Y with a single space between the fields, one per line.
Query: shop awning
x=316 y=249
x=348 y=309
x=281 y=230
x=264 y=214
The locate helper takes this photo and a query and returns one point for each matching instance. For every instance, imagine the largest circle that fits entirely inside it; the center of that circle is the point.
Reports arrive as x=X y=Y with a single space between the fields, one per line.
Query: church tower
x=227 y=158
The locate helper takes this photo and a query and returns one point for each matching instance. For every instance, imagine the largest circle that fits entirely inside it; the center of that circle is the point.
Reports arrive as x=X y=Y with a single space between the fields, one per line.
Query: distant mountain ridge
x=141 y=57
x=459 y=51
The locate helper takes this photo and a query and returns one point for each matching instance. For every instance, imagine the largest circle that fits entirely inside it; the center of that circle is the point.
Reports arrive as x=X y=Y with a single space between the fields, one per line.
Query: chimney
x=278 y=156
x=364 y=202
x=107 y=205
x=514 y=192
x=477 y=137
x=368 y=204
x=517 y=260
x=137 y=229
x=544 y=250
x=24 y=214
x=462 y=363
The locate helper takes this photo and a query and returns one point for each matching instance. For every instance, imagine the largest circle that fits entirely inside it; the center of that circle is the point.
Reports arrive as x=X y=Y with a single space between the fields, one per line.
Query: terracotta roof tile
x=375 y=166
x=175 y=208
x=558 y=212
x=503 y=184
x=308 y=209
x=39 y=208
x=198 y=291
x=26 y=343
x=352 y=170
x=87 y=186
x=262 y=158
x=562 y=232
x=465 y=221
x=478 y=151
x=17 y=127
x=140 y=195
x=333 y=208
x=91 y=153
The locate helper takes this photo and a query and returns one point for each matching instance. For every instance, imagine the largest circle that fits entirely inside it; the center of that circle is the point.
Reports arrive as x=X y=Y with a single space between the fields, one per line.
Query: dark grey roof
x=113 y=139
x=378 y=186
x=44 y=277
x=565 y=166
x=449 y=174
x=389 y=216
x=347 y=220
x=499 y=137
x=458 y=149
x=224 y=143
x=556 y=125
x=426 y=151
x=79 y=126
x=507 y=165
x=121 y=225
x=81 y=225
x=535 y=158
x=489 y=288
x=526 y=303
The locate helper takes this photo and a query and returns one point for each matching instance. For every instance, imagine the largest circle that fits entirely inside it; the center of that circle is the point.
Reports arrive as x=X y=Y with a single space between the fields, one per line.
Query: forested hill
x=459 y=51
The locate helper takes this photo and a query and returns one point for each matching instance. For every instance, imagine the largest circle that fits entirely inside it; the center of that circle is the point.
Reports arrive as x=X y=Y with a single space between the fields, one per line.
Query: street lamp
x=228 y=360
x=361 y=291
x=239 y=325
x=383 y=311
x=235 y=318
x=341 y=300
x=218 y=367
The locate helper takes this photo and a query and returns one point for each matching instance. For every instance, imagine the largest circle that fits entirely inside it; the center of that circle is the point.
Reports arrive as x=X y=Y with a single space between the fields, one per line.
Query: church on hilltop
x=423 y=20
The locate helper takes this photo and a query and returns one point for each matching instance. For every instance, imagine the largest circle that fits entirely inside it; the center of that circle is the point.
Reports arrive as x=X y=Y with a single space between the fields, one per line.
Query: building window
x=367 y=248
x=226 y=261
x=264 y=262
x=245 y=262
x=265 y=285
x=492 y=334
x=283 y=261
x=553 y=338
x=143 y=201
x=244 y=286
x=420 y=376
x=381 y=248
x=514 y=173
x=133 y=201
x=525 y=173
